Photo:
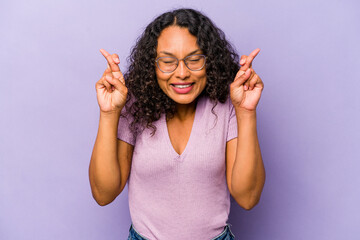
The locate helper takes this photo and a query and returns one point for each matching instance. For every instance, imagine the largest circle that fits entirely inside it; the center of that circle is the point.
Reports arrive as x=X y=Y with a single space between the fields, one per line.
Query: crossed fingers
x=113 y=69
x=246 y=63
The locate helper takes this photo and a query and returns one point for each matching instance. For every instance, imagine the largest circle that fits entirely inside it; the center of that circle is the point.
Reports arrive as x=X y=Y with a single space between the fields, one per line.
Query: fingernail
x=245 y=87
x=117 y=60
x=242 y=61
x=108 y=77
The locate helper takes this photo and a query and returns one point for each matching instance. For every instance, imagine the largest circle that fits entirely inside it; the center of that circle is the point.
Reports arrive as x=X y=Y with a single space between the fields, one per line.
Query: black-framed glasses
x=194 y=62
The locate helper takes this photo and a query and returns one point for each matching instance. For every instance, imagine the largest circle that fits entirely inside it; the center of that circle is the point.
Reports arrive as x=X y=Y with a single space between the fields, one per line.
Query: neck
x=185 y=111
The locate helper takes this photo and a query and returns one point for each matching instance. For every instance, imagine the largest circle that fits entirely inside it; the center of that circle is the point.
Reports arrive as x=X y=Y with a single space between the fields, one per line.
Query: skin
x=178 y=42
x=111 y=159
x=245 y=169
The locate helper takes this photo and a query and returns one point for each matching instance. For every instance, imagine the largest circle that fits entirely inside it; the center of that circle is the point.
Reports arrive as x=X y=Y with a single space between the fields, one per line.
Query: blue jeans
x=225 y=235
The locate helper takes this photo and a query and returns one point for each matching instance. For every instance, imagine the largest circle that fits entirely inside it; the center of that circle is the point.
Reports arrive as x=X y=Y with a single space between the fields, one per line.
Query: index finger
x=249 y=59
x=113 y=66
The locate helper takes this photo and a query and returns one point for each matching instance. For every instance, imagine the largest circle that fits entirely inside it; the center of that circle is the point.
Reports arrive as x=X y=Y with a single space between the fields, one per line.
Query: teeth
x=183 y=86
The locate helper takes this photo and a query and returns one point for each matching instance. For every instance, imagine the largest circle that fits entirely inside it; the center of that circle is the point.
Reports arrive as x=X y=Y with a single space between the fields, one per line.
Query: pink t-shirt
x=185 y=196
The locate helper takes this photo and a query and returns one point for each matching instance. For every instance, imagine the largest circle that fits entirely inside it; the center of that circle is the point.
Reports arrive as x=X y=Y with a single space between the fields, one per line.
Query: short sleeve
x=124 y=133
x=232 y=124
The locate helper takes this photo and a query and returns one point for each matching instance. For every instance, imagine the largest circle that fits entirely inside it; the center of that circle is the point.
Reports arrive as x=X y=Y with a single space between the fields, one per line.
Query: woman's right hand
x=110 y=89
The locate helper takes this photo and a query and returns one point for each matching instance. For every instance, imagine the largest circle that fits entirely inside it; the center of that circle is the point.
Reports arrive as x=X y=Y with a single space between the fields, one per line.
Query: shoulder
x=217 y=106
x=214 y=112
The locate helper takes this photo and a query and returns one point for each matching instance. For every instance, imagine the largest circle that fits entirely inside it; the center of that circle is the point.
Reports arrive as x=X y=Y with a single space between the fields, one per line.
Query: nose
x=182 y=71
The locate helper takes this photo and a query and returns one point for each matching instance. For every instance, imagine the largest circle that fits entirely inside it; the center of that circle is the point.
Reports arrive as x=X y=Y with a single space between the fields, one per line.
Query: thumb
x=115 y=82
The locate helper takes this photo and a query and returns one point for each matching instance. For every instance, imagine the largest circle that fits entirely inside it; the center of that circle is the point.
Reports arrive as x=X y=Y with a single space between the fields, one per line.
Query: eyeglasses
x=194 y=62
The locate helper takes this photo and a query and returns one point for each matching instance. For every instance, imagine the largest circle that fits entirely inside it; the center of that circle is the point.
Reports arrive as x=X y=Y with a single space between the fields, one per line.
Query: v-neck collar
x=194 y=127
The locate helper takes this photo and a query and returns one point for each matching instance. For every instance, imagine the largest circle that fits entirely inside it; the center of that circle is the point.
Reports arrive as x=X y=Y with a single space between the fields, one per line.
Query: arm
x=111 y=158
x=245 y=171
x=110 y=161
x=245 y=168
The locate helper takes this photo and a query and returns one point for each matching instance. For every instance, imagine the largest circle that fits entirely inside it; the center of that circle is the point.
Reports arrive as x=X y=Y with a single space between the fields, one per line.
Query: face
x=183 y=85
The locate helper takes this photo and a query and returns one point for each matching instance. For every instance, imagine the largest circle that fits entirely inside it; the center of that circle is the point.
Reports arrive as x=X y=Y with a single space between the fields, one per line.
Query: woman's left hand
x=246 y=89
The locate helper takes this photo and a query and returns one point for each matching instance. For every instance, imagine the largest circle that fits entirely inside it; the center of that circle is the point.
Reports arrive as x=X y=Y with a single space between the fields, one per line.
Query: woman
x=180 y=128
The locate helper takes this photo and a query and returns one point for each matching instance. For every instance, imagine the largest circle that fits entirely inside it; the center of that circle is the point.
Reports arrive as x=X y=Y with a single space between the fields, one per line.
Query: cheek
x=161 y=81
x=203 y=79
x=161 y=77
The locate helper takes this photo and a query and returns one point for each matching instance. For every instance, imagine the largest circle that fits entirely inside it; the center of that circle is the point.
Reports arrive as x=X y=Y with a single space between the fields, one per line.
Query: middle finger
x=113 y=66
x=249 y=59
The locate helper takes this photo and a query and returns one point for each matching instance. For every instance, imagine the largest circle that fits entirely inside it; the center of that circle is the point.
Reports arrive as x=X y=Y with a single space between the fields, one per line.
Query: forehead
x=176 y=40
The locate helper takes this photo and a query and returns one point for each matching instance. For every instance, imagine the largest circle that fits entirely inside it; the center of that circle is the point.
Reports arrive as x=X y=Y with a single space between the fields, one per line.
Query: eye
x=169 y=62
x=194 y=59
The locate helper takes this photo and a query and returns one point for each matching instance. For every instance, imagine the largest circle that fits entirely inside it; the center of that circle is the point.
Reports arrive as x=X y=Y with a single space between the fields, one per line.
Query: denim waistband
x=226 y=234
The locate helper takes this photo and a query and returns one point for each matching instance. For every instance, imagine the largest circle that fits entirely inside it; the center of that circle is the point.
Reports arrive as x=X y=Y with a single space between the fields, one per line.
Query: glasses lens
x=195 y=62
x=167 y=64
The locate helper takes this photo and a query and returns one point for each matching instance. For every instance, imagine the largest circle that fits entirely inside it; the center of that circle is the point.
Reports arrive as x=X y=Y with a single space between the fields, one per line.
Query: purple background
x=308 y=116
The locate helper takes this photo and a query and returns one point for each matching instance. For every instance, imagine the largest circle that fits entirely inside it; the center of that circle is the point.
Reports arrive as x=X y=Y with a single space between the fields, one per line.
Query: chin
x=184 y=99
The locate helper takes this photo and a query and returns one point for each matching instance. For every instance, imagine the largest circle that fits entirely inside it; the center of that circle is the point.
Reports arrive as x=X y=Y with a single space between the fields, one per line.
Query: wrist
x=244 y=113
x=110 y=115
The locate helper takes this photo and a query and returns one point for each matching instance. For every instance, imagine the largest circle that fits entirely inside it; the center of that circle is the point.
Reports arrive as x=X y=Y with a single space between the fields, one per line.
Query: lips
x=182 y=85
x=182 y=88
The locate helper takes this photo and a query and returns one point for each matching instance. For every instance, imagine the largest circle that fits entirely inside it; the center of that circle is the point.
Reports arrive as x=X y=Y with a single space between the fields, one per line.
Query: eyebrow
x=167 y=53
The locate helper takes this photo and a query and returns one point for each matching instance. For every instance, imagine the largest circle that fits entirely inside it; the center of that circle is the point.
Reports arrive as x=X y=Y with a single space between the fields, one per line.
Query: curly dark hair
x=146 y=101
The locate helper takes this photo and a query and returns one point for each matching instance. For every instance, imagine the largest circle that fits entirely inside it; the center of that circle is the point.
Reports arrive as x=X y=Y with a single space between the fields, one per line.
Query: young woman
x=180 y=128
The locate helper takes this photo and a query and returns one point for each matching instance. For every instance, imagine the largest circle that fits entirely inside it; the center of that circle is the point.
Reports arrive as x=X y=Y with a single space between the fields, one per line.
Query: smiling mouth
x=182 y=85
